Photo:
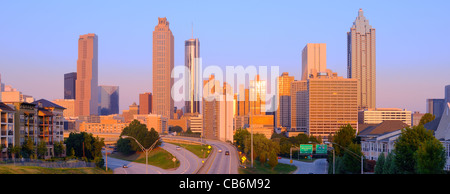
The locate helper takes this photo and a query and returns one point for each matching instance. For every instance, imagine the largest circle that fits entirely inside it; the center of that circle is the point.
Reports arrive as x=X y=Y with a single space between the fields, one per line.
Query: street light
x=144 y=150
x=362 y=167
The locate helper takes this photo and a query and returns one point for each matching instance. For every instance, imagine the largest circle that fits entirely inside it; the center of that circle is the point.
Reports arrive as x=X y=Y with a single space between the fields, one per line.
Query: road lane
x=189 y=163
x=319 y=166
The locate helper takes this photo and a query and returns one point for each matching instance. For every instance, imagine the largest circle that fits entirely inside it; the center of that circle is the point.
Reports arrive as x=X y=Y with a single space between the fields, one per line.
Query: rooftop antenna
x=192 y=30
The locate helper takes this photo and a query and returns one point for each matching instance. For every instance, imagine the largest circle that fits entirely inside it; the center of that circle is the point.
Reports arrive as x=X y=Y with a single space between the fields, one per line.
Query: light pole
x=144 y=150
x=354 y=154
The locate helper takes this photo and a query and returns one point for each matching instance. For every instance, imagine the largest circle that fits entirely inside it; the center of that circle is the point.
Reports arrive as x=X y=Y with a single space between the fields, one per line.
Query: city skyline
x=398 y=76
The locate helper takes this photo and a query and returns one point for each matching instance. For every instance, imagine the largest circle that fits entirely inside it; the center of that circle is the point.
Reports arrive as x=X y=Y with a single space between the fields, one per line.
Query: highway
x=189 y=163
x=319 y=166
x=217 y=162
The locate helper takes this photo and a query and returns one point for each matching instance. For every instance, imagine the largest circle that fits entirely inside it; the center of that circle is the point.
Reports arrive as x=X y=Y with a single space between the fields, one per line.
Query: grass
x=157 y=157
x=266 y=169
x=195 y=149
x=10 y=169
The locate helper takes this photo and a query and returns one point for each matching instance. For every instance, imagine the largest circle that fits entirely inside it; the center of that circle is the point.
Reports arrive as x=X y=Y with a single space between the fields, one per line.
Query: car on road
x=220 y=151
x=227 y=153
x=124 y=166
x=178 y=148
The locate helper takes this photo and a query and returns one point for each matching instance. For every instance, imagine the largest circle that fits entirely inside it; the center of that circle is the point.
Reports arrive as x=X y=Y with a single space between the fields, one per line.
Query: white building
x=379 y=138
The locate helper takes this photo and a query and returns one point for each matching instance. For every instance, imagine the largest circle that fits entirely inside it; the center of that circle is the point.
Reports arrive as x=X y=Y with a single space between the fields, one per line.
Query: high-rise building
x=193 y=81
x=108 y=100
x=69 y=104
x=217 y=111
x=436 y=107
x=145 y=103
x=163 y=62
x=361 y=60
x=323 y=103
x=257 y=96
x=86 y=95
x=70 y=85
x=314 y=57
x=283 y=115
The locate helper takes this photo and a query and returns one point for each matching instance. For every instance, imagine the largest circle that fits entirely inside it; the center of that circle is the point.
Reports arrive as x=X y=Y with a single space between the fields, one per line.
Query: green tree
x=406 y=146
x=85 y=145
x=389 y=165
x=41 y=149
x=58 y=148
x=240 y=137
x=28 y=148
x=141 y=133
x=430 y=157
x=379 y=166
x=427 y=117
x=344 y=137
x=351 y=160
x=273 y=160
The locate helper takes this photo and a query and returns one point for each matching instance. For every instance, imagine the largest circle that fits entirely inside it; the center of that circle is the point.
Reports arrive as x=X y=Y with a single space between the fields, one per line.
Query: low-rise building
x=7 y=128
x=380 y=138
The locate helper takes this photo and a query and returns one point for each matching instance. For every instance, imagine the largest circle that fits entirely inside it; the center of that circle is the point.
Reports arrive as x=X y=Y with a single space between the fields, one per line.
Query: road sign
x=243 y=159
x=306 y=148
x=321 y=149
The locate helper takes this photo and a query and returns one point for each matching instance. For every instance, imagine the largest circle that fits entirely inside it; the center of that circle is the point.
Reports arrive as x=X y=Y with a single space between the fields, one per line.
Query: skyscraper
x=86 y=97
x=361 y=60
x=314 y=58
x=163 y=62
x=108 y=100
x=70 y=80
x=145 y=103
x=323 y=103
x=283 y=117
x=192 y=62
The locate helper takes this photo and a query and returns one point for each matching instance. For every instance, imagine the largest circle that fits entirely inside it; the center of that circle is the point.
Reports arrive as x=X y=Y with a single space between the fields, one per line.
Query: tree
x=427 y=117
x=430 y=157
x=28 y=147
x=406 y=146
x=41 y=149
x=141 y=133
x=344 y=137
x=273 y=160
x=240 y=137
x=389 y=165
x=58 y=148
x=351 y=160
x=379 y=167
x=176 y=129
x=85 y=145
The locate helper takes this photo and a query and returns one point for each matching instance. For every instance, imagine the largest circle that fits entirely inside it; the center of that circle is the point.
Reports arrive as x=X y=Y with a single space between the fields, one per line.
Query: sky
x=39 y=41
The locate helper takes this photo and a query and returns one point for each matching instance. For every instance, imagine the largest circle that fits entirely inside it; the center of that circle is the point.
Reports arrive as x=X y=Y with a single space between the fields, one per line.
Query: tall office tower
x=243 y=103
x=257 y=96
x=163 y=62
x=70 y=80
x=323 y=103
x=193 y=82
x=447 y=95
x=314 y=57
x=108 y=100
x=436 y=107
x=86 y=95
x=217 y=111
x=145 y=103
x=361 y=60
x=283 y=115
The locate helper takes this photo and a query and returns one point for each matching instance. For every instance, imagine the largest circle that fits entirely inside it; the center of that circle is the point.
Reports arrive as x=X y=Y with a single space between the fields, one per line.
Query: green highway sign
x=321 y=149
x=306 y=148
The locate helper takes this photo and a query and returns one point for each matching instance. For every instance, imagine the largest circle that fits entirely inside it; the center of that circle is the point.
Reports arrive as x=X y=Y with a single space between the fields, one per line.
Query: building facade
x=7 y=128
x=86 y=94
x=283 y=115
x=378 y=115
x=193 y=80
x=361 y=60
x=163 y=63
x=314 y=57
x=108 y=100
x=70 y=80
x=145 y=103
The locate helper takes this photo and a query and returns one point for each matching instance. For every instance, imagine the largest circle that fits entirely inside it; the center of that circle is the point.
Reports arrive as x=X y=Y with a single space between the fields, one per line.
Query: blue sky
x=38 y=41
